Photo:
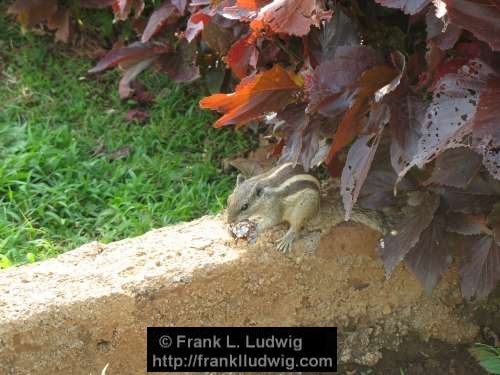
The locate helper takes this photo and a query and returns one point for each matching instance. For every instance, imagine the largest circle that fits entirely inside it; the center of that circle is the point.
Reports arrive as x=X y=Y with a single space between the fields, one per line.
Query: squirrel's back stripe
x=297 y=183
x=277 y=176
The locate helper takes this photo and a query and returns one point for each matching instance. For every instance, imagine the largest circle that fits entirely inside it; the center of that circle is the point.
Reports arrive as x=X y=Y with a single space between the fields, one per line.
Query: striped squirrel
x=285 y=193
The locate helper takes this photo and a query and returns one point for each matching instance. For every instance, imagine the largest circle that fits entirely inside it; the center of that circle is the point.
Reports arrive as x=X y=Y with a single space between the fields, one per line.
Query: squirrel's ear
x=240 y=179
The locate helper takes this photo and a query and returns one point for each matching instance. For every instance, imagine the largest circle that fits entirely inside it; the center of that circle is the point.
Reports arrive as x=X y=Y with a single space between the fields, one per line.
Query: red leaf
x=167 y=13
x=367 y=85
x=293 y=17
x=428 y=259
x=481 y=17
x=242 y=55
x=481 y=274
x=251 y=4
x=255 y=96
x=31 y=12
x=195 y=25
x=131 y=54
x=407 y=6
x=407 y=233
x=357 y=165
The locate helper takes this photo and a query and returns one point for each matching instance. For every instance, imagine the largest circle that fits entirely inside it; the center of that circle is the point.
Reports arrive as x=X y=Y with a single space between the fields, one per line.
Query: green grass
x=56 y=193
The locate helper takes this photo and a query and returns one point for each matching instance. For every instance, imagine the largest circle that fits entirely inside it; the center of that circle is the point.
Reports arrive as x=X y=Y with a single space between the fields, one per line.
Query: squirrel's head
x=244 y=200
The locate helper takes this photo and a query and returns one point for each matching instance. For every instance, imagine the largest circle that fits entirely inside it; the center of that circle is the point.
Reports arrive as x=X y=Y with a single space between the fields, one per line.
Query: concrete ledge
x=91 y=306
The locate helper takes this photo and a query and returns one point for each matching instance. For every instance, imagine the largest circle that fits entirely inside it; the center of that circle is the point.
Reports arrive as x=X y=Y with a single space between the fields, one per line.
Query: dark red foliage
x=411 y=95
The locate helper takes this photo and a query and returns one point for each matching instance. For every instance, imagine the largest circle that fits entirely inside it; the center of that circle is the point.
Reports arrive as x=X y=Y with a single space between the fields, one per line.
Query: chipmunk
x=285 y=193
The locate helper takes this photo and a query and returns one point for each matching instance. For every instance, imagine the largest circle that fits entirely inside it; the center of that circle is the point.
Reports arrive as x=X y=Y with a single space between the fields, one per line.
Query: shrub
x=393 y=96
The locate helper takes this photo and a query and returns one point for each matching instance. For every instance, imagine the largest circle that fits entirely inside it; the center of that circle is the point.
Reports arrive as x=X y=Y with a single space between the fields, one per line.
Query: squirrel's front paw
x=285 y=243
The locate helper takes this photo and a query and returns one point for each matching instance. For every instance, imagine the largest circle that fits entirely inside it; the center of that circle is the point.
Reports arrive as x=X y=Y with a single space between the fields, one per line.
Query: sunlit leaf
x=294 y=17
x=449 y=117
x=255 y=96
x=242 y=56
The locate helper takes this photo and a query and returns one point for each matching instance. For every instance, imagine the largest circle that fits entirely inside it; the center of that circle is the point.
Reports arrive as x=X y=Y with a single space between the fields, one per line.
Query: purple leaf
x=441 y=34
x=486 y=127
x=466 y=224
x=455 y=167
x=331 y=78
x=486 y=121
x=468 y=202
x=357 y=165
x=398 y=243
x=132 y=53
x=448 y=117
x=180 y=5
x=480 y=275
x=301 y=135
x=481 y=17
x=428 y=259
x=407 y=6
x=124 y=88
x=407 y=114
x=158 y=19
x=338 y=31
x=181 y=66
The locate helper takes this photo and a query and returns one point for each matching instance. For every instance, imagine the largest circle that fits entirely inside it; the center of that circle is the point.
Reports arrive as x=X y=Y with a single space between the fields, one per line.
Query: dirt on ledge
x=91 y=306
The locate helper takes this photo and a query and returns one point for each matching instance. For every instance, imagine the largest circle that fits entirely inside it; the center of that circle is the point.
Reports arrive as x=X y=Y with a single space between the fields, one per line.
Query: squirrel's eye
x=244 y=207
